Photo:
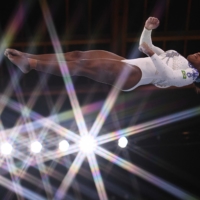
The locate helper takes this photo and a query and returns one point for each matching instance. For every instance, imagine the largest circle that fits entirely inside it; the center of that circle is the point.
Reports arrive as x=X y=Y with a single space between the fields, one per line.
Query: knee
x=77 y=54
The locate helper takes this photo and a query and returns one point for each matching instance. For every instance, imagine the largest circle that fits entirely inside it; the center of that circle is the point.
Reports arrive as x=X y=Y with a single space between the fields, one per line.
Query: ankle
x=32 y=63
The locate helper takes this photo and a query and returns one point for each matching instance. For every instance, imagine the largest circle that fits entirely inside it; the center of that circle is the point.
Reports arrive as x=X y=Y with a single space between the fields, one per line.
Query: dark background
x=169 y=151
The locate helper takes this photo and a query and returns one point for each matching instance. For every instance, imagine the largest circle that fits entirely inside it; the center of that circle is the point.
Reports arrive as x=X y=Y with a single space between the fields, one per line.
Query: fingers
x=151 y=23
x=154 y=20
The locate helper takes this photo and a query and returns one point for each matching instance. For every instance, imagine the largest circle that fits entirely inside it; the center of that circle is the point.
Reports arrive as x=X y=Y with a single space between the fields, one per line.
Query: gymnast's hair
x=197 y=81
x=197 y=86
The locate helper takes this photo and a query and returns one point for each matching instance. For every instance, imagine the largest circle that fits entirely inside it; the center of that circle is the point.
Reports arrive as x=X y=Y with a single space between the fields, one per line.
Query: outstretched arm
x=150 y=24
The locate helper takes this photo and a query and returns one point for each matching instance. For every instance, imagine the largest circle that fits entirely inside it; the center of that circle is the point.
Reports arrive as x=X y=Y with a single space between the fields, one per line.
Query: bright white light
x=6 y=148
x=87 y=144
x=63 y=145
x=122 y=142
x=36 y=147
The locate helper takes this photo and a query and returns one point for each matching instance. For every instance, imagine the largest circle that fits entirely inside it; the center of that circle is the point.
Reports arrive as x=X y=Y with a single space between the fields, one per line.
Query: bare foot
x=146 y=49
x=20 y=61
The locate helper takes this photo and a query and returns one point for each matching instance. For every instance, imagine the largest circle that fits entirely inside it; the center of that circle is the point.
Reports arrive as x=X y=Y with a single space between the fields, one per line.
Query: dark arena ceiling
x=162 y=126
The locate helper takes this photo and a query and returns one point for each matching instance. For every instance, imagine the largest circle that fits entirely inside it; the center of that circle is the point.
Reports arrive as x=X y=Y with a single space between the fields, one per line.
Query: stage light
x=6 y=148
x=122 y=142
x=63 y=145
x=87 y=144
x=36 y=147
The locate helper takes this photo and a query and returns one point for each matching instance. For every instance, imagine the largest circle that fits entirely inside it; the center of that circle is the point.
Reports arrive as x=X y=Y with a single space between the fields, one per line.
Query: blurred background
x=162 y=126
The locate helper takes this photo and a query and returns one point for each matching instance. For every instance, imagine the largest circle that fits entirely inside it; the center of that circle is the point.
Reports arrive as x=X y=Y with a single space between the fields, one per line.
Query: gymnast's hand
x=146 y=49
x=151 y=23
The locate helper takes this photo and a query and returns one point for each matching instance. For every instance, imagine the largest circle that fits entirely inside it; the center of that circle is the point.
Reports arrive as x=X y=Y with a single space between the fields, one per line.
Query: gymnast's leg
x=69 y=56
x=101 y=70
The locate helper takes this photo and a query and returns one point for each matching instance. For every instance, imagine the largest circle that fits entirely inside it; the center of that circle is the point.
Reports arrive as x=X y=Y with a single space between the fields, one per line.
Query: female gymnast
x=163 y=69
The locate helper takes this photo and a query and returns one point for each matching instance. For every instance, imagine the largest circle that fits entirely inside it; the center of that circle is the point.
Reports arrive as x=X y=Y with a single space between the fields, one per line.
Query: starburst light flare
x=74 y=168
x=149 y=125
x=170 y=188
x=34 y=122
x=122 y=142
x=87 y=144
x=104 y=112
x=12 y=29
x=63 y=145
x=6 y=148
x=36 y=147
x=97 y=176
x=24 y=192
x=64 y=69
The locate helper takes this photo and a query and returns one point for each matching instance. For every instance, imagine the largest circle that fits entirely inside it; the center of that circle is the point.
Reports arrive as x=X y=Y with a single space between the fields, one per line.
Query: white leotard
x=163 y=69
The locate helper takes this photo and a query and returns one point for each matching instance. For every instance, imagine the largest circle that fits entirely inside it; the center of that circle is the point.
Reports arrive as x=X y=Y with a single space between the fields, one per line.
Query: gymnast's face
x=194 y=59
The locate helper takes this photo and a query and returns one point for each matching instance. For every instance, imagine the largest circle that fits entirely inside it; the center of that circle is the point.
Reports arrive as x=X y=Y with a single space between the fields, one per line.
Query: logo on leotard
x=184 y=74
x=194 y=74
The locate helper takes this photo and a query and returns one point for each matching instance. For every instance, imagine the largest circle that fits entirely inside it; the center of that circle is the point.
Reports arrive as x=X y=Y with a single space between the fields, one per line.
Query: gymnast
x=160 y=68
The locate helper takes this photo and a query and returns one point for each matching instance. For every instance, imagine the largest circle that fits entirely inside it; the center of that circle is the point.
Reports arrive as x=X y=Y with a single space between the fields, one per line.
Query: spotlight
x=6 y=148
x=36 y=147
x=87 y=144
x=63 y=145
x=122 y=142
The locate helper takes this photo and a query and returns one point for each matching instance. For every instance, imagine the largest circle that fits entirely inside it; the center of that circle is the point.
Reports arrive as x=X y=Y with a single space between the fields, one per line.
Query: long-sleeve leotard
x=146 y=37
x=163 y=69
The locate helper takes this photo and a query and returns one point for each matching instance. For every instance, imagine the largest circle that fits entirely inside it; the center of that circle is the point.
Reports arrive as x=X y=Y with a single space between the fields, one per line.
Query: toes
x=6 y=52
x=11 y=51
